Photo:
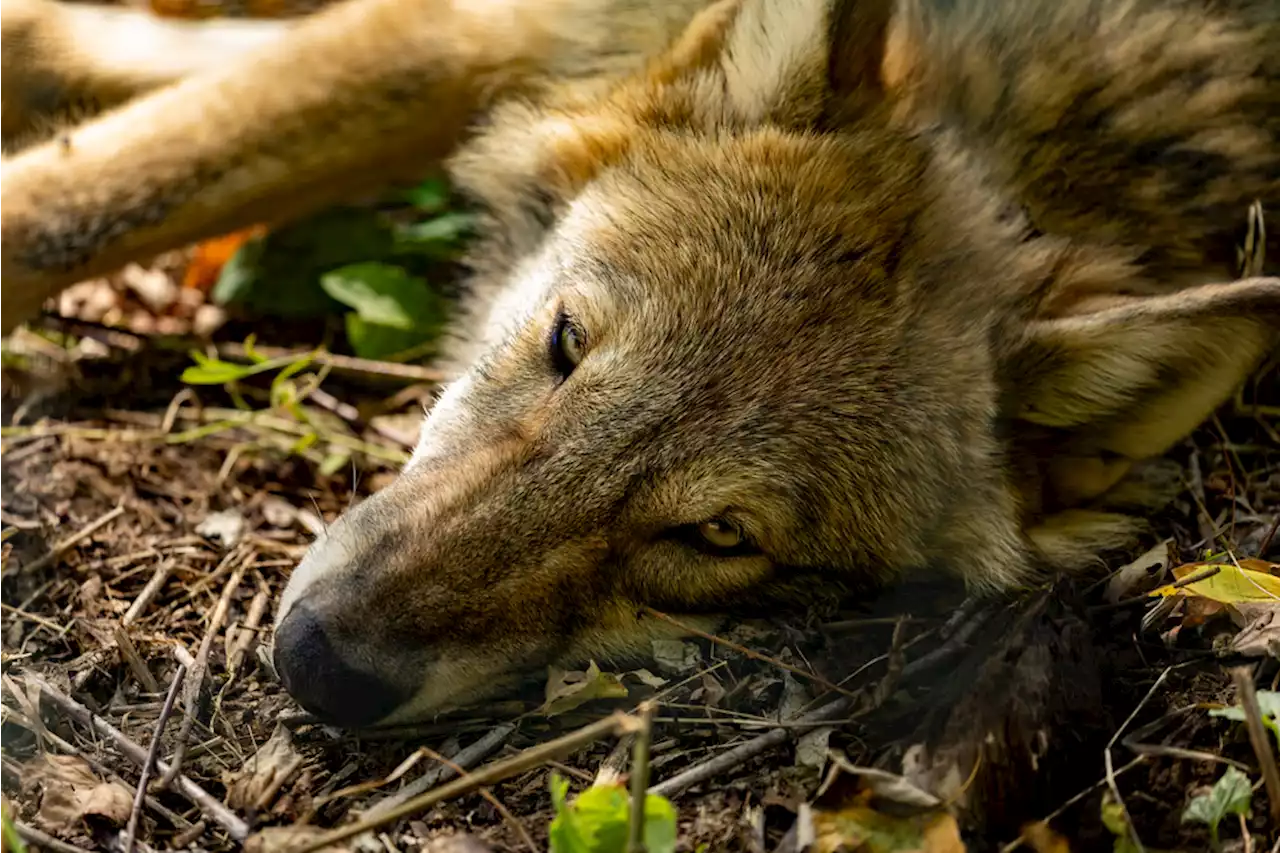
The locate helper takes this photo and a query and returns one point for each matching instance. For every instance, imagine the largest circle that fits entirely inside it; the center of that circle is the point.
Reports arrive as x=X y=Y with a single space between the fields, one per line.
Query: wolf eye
x=721 y=534
x=718 y=537
x=568 y=344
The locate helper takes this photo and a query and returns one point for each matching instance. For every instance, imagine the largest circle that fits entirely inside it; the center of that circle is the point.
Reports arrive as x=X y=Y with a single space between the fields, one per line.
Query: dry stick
x=101 y=769
x=1101 y=783
x=246 y=633
x=640 y=779
x=1248 y=694
x=215 y=810
x=1271 y=534
x=130 y=654
x=1110 y=764
x=511 y=819
x=148 y=592
x=1195 y=577
x=745 y=752
x=46 y=842
x=153 y=751
x=191 y=691
x=616 y=724
x=728 y=644
x=71 y=541
x=466 y=758
x=833 y=710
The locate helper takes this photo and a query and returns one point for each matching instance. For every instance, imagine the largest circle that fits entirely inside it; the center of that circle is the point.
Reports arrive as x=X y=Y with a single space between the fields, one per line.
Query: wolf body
x=772 y=295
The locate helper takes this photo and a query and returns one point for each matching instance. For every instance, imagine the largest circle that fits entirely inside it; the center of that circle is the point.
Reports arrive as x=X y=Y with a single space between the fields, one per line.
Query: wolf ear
x=787 y=61
x=1135 y=377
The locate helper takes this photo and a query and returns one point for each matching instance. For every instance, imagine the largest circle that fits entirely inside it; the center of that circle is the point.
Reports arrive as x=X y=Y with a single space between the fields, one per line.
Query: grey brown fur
x=886 y=285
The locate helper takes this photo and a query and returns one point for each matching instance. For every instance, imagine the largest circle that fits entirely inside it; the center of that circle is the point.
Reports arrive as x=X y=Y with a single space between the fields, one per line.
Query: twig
x=743 y=650
x=148 y=592
x=610 y=770
x=238 y=352
x=215 y=810
x=1195 y=577
x=71 y=541
x=1101 y=783
x=44 y=840
x=466 y=758
x=246 y=633
x=98 y=767
x=1248 y=696
x=640 y=779
x=1110 y=763
x=962 y=627
x=1271 y=534
x=153 y=751
x=745 y=752
x=1164 y=751
x=191 y=691
x=497 y=771
x=130 y=654
x=506 y=814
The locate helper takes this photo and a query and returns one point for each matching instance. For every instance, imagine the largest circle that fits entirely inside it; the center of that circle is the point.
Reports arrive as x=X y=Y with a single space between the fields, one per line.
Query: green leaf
x=12 y=840
x=429 y=196
x=597 y=820
x=334 y=462
x=215 y=372
x=1268 y=704
x=659 y=824
x=1229 y=795
x=1117 y=822
x=279 y=274
x=383 y=295
x=439 y=235
x=372 y=341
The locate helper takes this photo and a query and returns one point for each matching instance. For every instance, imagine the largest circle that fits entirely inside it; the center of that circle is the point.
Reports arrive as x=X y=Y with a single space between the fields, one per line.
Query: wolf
x=772 y=295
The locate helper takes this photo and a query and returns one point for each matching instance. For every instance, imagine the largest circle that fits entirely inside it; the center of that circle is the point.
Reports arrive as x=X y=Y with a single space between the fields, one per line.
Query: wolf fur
x=773 y=294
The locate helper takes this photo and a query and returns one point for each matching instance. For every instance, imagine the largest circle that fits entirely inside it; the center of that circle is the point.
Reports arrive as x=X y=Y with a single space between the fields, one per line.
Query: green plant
x=12 y=840
x=372 y=267
x=596 y=821
x=1231 y=794
x=1268 y=703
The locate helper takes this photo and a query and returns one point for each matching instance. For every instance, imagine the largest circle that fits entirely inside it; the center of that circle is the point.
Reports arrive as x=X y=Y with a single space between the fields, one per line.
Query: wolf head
x=738 y=331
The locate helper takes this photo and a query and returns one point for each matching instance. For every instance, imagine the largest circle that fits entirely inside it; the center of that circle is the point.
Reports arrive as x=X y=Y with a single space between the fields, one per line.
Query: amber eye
x=717 y=537
x=721 y=534
x=568 y=345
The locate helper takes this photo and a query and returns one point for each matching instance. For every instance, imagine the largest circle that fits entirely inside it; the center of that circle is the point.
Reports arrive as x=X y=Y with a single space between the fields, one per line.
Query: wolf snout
x=344 y=689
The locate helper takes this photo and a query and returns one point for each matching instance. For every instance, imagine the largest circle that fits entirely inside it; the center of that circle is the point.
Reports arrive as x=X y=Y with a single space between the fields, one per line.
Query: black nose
x=322 y=682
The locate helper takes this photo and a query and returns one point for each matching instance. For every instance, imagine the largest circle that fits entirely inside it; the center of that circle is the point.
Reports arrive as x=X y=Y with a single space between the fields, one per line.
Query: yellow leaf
x=1230 y=585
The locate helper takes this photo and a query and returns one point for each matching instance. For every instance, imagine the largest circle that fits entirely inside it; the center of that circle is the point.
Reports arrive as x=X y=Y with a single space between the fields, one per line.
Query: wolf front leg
x=367 y=92
x=64 y=62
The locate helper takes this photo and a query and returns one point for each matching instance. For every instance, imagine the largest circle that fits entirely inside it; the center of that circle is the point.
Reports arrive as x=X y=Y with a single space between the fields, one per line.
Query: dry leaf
x=648 y=678
x=861 y=829
x=568 y=690
x=226 y=526
x=1260 y=635
x=265 y=773
x=209 y=257
x=277 y=839
x=71 y=793
x=456 y=844
x=676 y=656
x=1041 y=838
x=1130 y=579
x=868 y=810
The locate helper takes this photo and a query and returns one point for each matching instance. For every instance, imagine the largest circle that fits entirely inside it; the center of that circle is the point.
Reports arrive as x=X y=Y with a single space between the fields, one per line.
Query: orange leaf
x=209 y=257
